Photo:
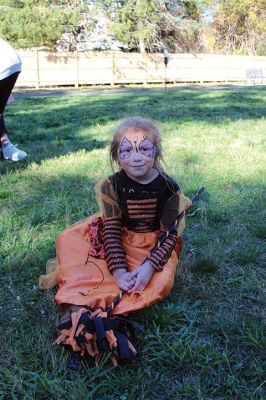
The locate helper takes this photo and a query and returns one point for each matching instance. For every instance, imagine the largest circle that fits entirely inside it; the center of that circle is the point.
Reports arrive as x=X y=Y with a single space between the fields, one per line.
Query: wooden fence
x=41 y=68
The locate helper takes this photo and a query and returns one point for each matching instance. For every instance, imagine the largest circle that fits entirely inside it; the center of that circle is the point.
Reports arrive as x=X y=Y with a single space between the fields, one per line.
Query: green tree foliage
x=240 y=26
x=220 y=26
x=181 y=26
x=154 y=24
x=11 y=3
x=33 y=23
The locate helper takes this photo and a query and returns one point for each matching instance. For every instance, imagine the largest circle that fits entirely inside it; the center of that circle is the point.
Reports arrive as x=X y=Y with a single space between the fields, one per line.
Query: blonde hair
x=137 y=123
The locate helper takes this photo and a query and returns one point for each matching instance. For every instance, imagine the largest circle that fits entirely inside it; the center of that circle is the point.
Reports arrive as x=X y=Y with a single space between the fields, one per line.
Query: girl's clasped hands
x=136 y=280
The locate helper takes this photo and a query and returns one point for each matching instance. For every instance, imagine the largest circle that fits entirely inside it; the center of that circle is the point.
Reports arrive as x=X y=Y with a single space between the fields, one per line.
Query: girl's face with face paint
x=136 y=153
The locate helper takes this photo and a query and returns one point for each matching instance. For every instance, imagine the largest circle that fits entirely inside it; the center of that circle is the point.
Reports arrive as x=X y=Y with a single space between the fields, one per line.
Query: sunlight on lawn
x=206 y=340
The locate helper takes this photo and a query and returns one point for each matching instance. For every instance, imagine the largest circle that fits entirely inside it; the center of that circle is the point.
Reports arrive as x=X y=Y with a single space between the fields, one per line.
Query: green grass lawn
x=207 y=340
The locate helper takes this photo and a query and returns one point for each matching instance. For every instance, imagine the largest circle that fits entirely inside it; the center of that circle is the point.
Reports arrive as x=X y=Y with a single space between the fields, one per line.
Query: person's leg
x=6 y=87
x=10 y=152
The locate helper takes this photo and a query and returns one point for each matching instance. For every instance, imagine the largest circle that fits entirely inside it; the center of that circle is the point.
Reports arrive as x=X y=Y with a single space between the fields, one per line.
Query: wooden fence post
x=145 y=68
x=113 y=69
x=77 y=70
x=227 y=71
x=37 y=82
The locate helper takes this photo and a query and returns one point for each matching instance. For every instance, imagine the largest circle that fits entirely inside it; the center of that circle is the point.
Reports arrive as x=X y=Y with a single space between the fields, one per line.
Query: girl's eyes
x=125 y=153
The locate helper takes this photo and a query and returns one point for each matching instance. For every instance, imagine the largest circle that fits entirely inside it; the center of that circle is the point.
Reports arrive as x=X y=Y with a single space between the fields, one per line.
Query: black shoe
x=74 y=362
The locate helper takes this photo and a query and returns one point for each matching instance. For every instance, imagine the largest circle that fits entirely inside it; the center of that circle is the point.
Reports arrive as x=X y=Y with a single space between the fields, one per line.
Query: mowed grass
x=207 y=340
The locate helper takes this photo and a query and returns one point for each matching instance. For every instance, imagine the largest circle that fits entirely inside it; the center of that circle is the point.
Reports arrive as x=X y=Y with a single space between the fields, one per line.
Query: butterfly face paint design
x=145 y=147
x=125 y=149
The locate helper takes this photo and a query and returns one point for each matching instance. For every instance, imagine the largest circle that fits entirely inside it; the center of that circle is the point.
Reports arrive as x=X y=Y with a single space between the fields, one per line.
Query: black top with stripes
x=142 y=205
x=140 y=208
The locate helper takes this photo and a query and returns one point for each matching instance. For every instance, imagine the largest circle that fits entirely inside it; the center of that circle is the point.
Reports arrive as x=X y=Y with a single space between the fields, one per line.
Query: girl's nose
x=137 y=156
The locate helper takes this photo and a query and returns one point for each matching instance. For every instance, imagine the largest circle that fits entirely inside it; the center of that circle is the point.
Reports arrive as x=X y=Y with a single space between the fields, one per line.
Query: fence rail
x=41 y=68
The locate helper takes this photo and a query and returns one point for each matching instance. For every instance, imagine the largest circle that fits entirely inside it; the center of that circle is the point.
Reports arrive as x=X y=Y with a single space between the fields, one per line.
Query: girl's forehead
x=135 y=136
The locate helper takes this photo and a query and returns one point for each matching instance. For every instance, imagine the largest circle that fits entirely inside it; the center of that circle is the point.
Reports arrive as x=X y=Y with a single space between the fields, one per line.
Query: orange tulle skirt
x=86 y=281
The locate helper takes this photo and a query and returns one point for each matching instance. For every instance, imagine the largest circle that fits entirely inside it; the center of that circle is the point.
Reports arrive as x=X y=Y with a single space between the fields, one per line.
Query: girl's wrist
x=149 y=265
x=118 y=272
x=149 y=268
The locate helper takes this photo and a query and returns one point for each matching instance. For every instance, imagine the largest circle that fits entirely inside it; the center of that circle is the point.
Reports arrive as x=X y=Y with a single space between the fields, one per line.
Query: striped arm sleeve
x=113 y=248
x=159 y=257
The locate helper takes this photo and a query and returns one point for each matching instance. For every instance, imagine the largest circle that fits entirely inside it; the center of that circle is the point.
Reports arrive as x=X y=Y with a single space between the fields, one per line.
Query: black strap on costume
x=123 y=350
x=110 y=323
x=100 y=333
x=128 y=322
x=117 y=323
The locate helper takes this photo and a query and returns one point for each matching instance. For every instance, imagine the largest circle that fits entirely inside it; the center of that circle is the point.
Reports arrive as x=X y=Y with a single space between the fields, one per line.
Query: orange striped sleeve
x=159 y=257
x=113 y=248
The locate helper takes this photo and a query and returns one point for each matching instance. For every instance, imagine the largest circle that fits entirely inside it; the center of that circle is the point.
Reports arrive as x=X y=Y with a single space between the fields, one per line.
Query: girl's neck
x=144 y=180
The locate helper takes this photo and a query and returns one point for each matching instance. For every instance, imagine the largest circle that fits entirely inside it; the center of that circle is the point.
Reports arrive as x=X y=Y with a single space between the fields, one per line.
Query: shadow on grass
x=47 y=127
x=29 y=316
x=39 y=217
x=46 y=205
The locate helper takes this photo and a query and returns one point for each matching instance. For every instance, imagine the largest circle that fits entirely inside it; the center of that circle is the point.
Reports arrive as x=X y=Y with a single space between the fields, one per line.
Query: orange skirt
x=86 y=281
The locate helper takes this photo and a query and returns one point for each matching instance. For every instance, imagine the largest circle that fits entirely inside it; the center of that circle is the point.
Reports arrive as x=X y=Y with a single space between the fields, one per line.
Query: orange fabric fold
x=91 y=284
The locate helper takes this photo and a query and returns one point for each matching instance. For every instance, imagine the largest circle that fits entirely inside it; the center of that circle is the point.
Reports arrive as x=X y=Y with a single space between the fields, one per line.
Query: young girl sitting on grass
x=118 y=248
